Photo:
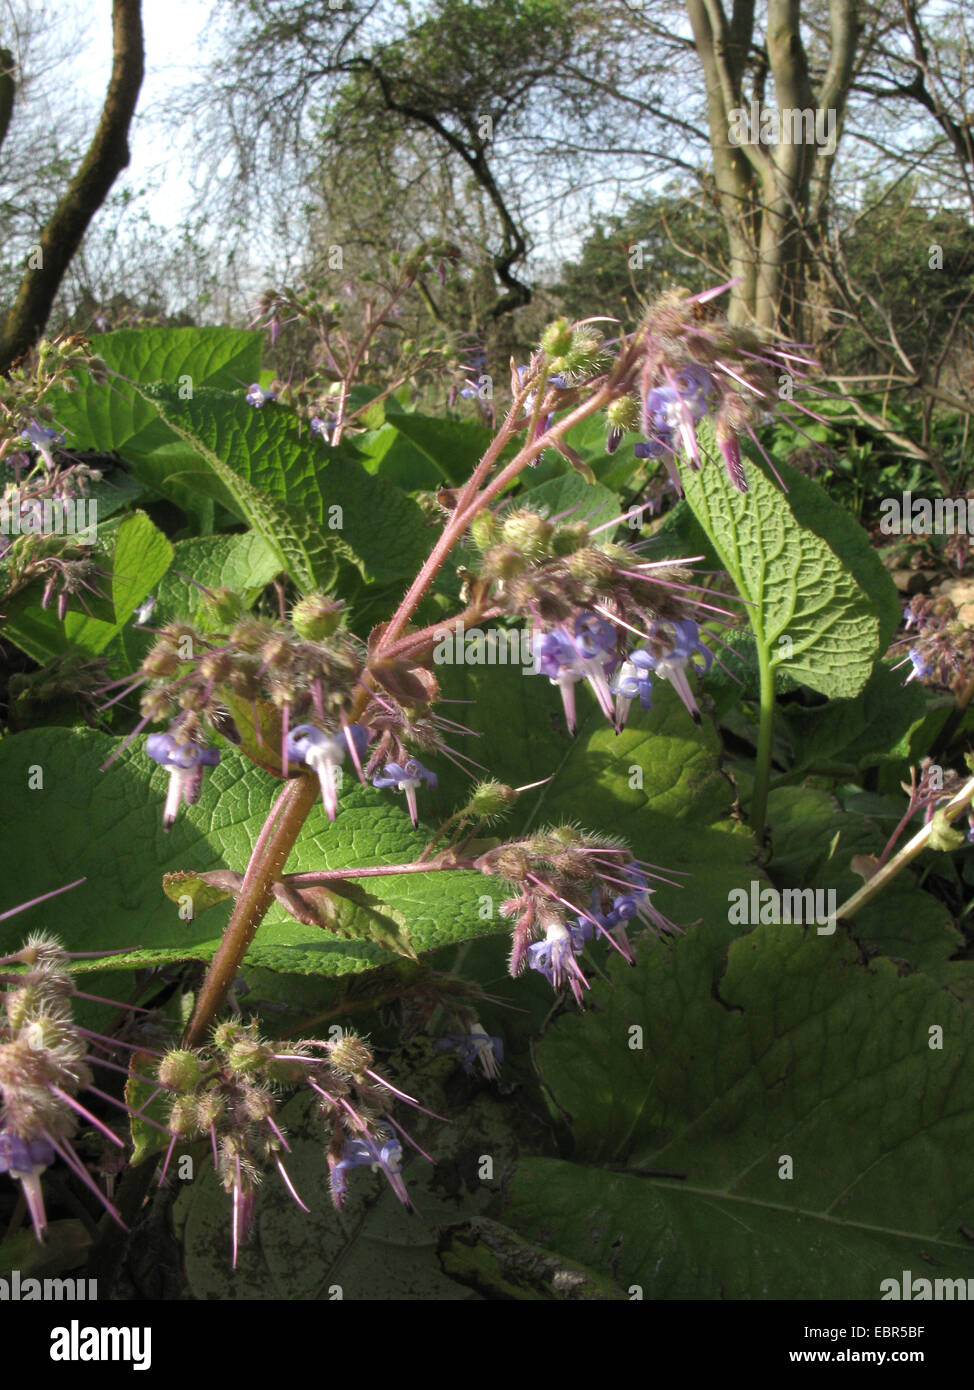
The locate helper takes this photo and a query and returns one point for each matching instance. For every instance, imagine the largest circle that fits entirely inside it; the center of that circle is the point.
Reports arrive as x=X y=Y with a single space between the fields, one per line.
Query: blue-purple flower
x=686 y=649
x=365 y=1152
x=26 y=1160
x=43 y=438
x=555 y=959
x=185 y=762
x=922 y=668
x=324 y=753
x=257 y=397
x=632 y=681
x=406 y=777
x=474 y=1046
x=588 y=653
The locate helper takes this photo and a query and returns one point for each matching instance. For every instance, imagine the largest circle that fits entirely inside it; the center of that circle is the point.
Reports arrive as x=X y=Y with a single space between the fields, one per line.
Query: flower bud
x=567 y=539
x=591 y=564
x=160 y=662
x=510 y=862
x=250 y=635
x=223 y=605
x=624 y=414
x=315 y=617
x=247 y=1055
x=490 y=799
x=503 y=562
x=257 y=1104
x=349 y=1054
x=210 y=1109
x=275 y=650
x=216 y=666
x=556 y=340
x=225 y=1035
x=527 y=532
x=180 y=1070
x=183 y=1119
x=484 y=530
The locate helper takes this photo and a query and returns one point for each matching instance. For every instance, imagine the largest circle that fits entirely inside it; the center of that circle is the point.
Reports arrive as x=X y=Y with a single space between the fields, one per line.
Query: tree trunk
x=107 y=156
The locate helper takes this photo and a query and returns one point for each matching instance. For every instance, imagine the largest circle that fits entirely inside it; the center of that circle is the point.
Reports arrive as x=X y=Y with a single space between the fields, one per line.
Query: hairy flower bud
x=180 y=1070
x=484 y=530
x=527 y=532
x=556 y=340
x=247 y=1055
x=503 y=562
x=567 y=539
x=591 y=565
x=490 y=799
x=225 y=1035
x=624 y=414
x=349 y=1054
x=315 y=617
x=183 y=1119
x=224 y=605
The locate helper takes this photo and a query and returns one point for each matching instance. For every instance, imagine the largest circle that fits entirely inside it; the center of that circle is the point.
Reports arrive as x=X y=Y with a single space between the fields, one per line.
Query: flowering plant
x=377 y=874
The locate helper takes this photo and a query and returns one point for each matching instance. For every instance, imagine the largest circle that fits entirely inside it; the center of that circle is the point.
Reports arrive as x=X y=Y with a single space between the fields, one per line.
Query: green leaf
x=225 y=357
x=680 y=1144
x=106 y=827
x=874 y=727
x=388 y=453
x=244 y=563
x=816 y=605
x=589 y=502
x=453 y=447
x=114 y=416
x=312 y=505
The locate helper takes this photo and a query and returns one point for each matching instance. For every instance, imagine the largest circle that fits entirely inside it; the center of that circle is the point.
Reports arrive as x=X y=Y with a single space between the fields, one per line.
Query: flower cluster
x=586 y=599
x=229 y=1093
x=941 y=649
x=695 y=365
x=268 y=670
x=30 y=419
x=44 y=1063
x=571 y=886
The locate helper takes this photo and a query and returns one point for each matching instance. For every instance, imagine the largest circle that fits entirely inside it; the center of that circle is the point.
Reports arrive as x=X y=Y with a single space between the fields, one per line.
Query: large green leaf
x=872 y=728
x=312 y=505
x=106 y=827
x=453 y=447
x=680 y=1183
x=817 y=598
x=114 y=416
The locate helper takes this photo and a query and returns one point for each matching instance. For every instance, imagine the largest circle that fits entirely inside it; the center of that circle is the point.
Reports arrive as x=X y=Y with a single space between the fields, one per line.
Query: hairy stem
x=281 y=830
x=957 y=804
